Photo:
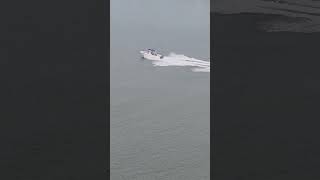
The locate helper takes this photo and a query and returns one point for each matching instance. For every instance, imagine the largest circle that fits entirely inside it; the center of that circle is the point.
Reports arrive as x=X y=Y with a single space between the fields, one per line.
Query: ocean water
x=160 y=110
x=299 y=15
x=266 y=99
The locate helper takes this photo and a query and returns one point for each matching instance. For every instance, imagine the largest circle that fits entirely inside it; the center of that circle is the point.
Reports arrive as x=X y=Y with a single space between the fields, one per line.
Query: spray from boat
x=174 y=59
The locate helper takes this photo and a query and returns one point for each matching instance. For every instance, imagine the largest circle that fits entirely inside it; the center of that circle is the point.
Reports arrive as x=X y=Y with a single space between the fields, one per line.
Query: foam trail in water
x=181 y=60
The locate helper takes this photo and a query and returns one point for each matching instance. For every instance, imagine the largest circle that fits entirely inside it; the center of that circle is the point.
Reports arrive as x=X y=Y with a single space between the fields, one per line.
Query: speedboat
x=151 y=54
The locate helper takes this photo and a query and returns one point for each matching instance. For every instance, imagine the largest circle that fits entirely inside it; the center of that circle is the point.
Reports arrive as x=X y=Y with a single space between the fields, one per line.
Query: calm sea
x=160 y=115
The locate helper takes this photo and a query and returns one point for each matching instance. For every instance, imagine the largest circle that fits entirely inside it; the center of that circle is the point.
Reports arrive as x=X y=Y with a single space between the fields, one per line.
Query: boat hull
x=149 y=56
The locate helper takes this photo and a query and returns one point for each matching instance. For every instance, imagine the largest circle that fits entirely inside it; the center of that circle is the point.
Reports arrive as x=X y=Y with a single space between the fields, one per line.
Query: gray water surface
x=160 y=116
x=302 y=15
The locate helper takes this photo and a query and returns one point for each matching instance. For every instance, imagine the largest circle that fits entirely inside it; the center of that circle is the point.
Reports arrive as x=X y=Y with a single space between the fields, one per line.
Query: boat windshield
x=152 y=51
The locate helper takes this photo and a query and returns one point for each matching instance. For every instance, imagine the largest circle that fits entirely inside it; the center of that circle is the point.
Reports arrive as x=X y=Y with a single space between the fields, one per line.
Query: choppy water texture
x=160 y=110
x=301 y=15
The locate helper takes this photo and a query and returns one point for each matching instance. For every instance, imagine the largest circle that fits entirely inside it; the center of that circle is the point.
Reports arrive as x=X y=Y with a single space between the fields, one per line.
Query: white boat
x=151 y=54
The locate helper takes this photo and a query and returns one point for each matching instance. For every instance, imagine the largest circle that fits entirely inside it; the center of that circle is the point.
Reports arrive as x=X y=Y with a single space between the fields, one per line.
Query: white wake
x=181 y=60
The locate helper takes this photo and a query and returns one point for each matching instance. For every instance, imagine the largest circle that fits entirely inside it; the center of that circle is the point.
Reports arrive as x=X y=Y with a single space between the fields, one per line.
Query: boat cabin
x=152 y=51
